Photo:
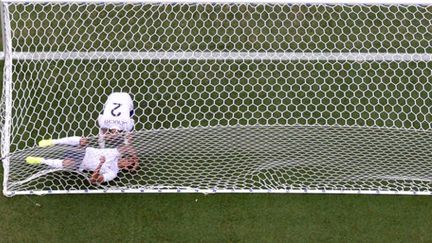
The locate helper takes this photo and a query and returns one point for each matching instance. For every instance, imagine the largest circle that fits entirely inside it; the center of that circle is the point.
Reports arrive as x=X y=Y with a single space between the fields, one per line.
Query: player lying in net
x=104 y=164
x=115 y=126
x=116 y=151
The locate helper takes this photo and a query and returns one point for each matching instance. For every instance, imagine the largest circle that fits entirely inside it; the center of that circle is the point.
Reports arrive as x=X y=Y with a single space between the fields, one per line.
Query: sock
x=74 y=141
x=55 y=163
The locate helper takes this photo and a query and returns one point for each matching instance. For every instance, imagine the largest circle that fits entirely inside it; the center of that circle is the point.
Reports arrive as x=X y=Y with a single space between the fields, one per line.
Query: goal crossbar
x=283 y=56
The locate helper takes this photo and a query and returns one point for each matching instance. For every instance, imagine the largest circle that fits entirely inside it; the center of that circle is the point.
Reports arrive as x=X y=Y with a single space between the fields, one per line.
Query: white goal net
x=235 y=96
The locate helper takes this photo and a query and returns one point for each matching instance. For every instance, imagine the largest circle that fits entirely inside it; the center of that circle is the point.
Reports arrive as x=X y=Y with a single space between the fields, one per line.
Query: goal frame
x=9 y=56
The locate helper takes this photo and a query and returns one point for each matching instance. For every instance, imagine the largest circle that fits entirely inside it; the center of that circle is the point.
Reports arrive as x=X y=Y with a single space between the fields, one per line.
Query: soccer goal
x=234 y=96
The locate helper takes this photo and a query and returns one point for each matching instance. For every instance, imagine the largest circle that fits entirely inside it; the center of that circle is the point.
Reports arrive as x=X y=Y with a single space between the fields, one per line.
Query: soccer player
x=103 y=163
x=115 y=125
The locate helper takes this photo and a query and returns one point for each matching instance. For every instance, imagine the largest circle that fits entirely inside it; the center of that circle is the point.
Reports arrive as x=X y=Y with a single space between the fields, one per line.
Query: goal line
x=368 y=2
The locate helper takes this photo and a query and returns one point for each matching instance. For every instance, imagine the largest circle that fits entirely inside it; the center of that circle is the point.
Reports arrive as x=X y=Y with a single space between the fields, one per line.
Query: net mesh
x=251 y=97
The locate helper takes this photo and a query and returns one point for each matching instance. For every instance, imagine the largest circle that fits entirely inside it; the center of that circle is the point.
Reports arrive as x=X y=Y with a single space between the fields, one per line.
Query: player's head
x=113 y=136
x=112 y=133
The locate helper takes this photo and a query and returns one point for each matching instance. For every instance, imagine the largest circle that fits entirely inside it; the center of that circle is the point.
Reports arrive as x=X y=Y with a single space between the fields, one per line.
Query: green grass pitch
x=216 y=218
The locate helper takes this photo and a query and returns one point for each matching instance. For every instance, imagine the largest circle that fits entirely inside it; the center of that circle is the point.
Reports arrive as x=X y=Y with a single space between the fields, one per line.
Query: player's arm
x=135 y=161
x=96 y=176
x=130 y=153
x=107 y=174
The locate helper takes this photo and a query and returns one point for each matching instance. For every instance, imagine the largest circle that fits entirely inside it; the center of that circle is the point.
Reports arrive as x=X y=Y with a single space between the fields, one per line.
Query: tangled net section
x=248 y=159
x=229 y=97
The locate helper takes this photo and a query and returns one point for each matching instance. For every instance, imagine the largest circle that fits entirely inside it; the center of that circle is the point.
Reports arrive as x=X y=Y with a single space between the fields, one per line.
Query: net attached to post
x=229 y=97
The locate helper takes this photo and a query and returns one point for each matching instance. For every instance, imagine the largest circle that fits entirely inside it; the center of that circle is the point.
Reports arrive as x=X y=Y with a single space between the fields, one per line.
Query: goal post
x=6 y=98
x=230 y=96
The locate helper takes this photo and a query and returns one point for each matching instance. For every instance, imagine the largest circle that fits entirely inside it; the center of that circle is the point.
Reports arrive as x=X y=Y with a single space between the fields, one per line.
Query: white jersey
x=117 y=113
x=92 y=157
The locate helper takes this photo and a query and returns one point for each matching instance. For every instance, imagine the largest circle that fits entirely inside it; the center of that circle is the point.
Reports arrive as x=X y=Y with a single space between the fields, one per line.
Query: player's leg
x=54 y=163
x=72 y=141
x=70 y=159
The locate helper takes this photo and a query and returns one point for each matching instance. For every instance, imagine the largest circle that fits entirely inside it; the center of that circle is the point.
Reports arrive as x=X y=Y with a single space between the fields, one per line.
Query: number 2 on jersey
x=115 y=108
